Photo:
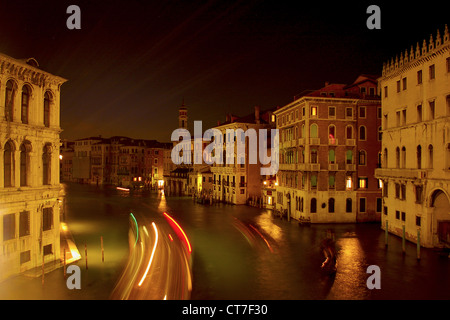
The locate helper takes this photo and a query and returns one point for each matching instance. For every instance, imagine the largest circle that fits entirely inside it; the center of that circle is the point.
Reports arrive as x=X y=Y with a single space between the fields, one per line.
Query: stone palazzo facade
x=29 y=166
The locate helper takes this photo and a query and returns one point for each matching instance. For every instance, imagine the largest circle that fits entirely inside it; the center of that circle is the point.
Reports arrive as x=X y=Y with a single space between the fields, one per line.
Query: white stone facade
x=415 y=91
x=29 y=162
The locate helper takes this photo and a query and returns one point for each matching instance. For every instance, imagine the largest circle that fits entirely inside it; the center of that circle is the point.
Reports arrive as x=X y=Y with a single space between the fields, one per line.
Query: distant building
x=241 y=183
x=82 y=159
x=415 y=171
x=329 y=149
x=29 y=161
x=66 y=160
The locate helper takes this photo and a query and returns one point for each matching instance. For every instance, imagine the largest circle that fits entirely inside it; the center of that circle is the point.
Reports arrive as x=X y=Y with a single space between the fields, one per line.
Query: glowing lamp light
x=60 y=157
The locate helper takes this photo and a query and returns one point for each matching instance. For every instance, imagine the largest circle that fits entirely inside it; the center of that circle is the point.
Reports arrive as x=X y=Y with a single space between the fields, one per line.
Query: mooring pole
x=418 y=244
x=386 y=234
x=85 y=255
x=103 y=253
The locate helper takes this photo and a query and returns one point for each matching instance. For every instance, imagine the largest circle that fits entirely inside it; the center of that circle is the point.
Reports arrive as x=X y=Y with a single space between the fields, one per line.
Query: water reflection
x=350 y=281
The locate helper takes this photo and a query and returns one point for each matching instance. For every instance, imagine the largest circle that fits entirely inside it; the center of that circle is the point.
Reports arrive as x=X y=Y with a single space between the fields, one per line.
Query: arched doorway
x=441 y=205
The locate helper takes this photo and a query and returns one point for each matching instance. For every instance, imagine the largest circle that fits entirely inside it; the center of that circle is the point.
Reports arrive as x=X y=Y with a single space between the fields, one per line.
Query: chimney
x=228 y=118
x=327 y=83
x=257 y=114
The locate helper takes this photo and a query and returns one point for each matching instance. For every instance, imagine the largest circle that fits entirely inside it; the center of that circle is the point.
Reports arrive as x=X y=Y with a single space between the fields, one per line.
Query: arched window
x=313 y=131
x=419 y=157
x=8 y=165
x=362 y=133
x=47 y=109
x=447 y=153
x=348 y=205
x=349 y=157
x=313 y=181
x=397 y=157
x=349 y=132
x=331 y=156
x=25 y=149
x=46 y=165
x=332 y=134
x=331 y=205
x=25 y=104
x=313 y=205
x=403 y=157
x=9 y=101
x=314 y=156
x=430 y=156
x=362 y=158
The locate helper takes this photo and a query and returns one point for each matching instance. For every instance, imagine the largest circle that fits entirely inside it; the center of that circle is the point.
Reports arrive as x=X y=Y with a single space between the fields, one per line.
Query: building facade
x=241 y=183
x=29 y=161
x=329 y=149
x=415 y=171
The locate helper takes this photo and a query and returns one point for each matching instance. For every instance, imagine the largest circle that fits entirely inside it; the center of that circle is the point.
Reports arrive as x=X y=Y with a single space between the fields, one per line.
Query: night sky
x=133 y=62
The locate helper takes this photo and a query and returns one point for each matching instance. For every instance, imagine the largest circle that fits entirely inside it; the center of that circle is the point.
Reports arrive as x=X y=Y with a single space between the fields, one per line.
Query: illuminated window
x=332 y=134
x=380 y=183
x=362 y=183
x=313 y=111
x=348 y=182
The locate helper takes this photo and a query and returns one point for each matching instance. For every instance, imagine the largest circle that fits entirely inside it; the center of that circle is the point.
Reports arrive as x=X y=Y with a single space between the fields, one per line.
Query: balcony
x=308 y=167
x=314 y=141
x=288 y=166
x=401 y=173
x=350 y=142
x=332 y=167
x=350 y=167
x=333 y=142
x=301 y=141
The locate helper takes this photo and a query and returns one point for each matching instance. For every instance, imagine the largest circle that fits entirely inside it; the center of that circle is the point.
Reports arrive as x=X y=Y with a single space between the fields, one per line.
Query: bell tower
x=182 y=117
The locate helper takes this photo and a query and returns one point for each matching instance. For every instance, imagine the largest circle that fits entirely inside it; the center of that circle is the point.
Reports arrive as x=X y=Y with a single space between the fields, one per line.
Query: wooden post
x=403 y=239
x=103 y=253
x=43 y=267
x=386 y=234
x=85 y=255
x=65 y=254
x=418 y=244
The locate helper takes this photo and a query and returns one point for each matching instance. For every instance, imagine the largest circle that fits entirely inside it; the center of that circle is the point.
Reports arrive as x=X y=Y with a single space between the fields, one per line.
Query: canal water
x=241 y=252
